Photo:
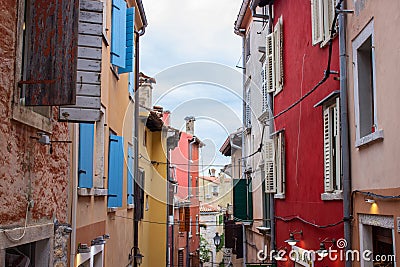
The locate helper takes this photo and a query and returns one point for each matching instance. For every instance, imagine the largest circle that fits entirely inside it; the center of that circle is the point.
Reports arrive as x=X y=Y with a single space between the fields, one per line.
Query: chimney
x=145 y=92
x=212 y=172
x=167 y=117
x=190 y=124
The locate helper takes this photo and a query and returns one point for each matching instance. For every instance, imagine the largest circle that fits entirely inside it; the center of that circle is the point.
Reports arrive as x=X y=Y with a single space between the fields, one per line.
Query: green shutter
x=242 y=200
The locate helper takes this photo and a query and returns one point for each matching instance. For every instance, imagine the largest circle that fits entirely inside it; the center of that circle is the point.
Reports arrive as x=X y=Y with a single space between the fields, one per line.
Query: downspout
x=270 y=103
x=189 y=194
x=136 y=137
x=74 y=192
x=344 y=133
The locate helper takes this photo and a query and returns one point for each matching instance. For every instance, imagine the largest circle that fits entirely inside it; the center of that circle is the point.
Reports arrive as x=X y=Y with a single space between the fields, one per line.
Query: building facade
x=371 y=85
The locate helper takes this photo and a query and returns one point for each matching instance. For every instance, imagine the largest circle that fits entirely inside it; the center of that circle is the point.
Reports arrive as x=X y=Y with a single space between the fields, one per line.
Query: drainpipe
x=189 y=193
x=344 y=136
x=74 y=192
x=136 y=137
x=270 y=103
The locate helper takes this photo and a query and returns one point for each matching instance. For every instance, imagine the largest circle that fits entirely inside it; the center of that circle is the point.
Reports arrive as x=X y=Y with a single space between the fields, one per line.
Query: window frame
x=322 y=15
x=363 y=36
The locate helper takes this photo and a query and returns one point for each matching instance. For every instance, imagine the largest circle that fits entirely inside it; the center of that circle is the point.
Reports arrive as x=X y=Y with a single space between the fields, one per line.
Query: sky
x=191 y=50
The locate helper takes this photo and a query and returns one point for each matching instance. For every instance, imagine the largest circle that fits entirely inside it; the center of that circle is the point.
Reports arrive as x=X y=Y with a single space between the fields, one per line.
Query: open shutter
x=316 y=21
x=130 y=175
x=88 y=91
x=118 y=33
x=338 y=155
x=242 y=200
x=85 y=155
x=269 y=61
x=270 y=181
x=264 y=72
x=278 y=55
x=280 y=163
x=329 y=13
x=50 y=71
x=328 y=185
x=115 y=171
x=139 y=195
x=130 y=41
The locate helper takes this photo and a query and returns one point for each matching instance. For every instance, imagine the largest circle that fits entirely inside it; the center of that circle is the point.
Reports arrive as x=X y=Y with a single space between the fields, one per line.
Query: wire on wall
x=292 y=218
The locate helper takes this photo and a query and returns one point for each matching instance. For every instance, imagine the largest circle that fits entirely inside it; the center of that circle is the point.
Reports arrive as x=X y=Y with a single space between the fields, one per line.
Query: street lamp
x=139 y=258
x=217 y=239
x=292 y=241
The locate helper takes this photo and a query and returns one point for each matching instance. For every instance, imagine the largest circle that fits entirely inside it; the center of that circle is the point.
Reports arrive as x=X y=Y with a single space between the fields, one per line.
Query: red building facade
x=307 y=121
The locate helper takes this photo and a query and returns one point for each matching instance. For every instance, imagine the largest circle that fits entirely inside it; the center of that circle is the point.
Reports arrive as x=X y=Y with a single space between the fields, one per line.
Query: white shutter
x=338 y=145
x=316 y=21
x=264 y=87
x=278 y=55
x=270 y=181
x=328 y=15
x=328 y=185
x=269 y=61
x=280 y=163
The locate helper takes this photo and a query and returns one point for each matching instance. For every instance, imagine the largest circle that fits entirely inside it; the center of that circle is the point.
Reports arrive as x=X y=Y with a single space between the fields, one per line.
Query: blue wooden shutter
x=130 y=175
x=85 y=155
x=118 y=33
x=130 y=42
x=115 y=171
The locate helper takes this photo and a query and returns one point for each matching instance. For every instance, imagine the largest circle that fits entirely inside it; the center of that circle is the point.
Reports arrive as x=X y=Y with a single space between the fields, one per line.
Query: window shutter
x=338 y=155
x=118 y=33
x=50 y=74
x=131 y=84
x=328 y=185
x=280 y=163
x=278 y=55
x=269 y=59
x=88 y=92
x=248 y=108
x=115 y=171
x=130 y=41
x=139 y=195
x=264 y=86
x=85 y=155
x=242 y=200
x=316 y=21
x=270 y=181
x=130 y=175
x=329 y=13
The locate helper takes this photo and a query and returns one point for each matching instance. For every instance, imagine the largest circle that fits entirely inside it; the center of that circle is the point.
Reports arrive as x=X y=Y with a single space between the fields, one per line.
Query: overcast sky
x=191 y=50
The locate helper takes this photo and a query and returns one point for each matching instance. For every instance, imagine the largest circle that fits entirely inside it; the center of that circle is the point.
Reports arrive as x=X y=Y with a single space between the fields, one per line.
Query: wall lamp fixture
x=322 y=251
x=292 y=241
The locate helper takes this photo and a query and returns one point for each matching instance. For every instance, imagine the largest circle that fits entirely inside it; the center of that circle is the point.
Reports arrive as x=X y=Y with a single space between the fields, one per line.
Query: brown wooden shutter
x=52 y=29
x=187 y=219
x=181 y=220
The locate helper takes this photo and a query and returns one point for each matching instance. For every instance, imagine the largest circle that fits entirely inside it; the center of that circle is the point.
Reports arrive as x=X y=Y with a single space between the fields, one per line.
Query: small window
x=248 y=108
x=332 y=156
x=247 y=47
x=322 y=16
x=365 y=86
x=215 y=190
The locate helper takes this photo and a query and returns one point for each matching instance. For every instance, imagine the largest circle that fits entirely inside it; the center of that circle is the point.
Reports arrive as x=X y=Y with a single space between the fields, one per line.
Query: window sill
x=130 y=206
x=279 y=196
x=85 y=192
x=264 y=117
x=112 y=209
x=100 y=192
x=332 y=196
x=368 y=139
x=31 y=118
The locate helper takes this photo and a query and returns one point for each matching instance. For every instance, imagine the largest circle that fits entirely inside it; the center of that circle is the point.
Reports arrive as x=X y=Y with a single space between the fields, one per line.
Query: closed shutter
x=188 y=220
x=139 y=195
x=130 y=175
x=130 y=41
x=51 y=46
x=88 y=92
x=264 y=72
x=269 y=61
x=328 y=185
x=118 y=33
x=115 y=171
x=270 y=177
x=248 y=108
x=338 y=155
x=85 y=155
x=316 y=21
x=278 y=55
x=242 y=200
x=181 y=220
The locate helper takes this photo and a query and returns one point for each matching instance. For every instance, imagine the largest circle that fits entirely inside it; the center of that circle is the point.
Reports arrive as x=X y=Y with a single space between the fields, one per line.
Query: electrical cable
x=327 y=72
x=259 y=147
x=180 y=164
x=13 y=239
x=308 y=222
x=370 y=194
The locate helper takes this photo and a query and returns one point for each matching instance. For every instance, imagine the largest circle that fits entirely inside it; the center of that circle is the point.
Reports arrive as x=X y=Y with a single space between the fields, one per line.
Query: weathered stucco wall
x=27 y=169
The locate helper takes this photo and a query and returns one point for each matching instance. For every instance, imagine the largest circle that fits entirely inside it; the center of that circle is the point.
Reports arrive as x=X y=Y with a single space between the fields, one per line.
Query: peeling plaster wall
x=26 y=167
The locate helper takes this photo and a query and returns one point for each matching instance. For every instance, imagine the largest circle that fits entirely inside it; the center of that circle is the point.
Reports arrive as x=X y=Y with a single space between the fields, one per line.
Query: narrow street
x=187 y=133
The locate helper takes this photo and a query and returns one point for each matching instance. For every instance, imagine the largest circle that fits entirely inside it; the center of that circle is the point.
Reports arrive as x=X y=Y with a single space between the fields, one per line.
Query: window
x=215 y=190
x=274 y=156
x=130 y=171
x=332 y=156
x=365 y=87
x=197 y=225
x=247 y=46
x=274 y=59
x=322 y=15
x=139 y=195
